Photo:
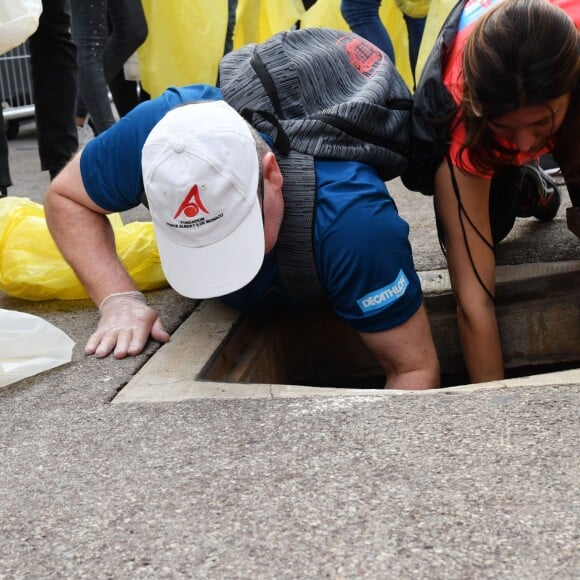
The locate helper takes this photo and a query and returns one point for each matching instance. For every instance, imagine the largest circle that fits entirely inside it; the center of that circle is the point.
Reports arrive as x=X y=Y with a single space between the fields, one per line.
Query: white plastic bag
x=18 y=20
x=29 y=345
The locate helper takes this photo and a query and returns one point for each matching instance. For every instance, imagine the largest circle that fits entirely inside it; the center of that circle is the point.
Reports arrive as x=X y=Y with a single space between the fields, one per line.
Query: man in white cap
x=217 y=198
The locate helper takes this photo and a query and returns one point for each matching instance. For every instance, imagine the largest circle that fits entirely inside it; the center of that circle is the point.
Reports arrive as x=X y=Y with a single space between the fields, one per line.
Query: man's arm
x=471 y=263
x=407 y=353
x=85 y=238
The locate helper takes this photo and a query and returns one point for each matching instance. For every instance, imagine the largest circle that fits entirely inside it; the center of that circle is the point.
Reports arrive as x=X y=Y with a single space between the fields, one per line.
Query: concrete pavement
x=479 y=484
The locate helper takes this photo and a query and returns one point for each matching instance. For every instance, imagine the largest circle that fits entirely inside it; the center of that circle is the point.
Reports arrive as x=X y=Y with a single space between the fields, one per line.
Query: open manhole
x=217 y=353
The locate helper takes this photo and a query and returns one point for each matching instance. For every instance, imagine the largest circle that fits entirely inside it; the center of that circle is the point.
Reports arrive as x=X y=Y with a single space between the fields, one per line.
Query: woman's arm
x=471 y=263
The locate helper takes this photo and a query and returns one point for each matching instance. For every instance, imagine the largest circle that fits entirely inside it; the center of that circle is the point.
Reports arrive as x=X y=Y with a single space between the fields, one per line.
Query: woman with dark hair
x=513 y=73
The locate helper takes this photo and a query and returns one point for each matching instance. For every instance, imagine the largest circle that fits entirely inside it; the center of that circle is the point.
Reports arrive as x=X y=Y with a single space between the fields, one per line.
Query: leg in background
x=54 y=77
x=363 y=19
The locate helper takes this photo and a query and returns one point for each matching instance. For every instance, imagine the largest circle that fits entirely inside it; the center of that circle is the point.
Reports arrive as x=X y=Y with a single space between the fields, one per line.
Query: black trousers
x=5 y=180
x=53 y=62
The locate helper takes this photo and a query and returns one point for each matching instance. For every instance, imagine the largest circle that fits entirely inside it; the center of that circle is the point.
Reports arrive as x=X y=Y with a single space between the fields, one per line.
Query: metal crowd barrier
x=16 y=88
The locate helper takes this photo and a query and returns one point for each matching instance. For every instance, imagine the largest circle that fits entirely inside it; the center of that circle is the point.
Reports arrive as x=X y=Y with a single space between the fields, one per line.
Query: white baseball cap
x=200 y=171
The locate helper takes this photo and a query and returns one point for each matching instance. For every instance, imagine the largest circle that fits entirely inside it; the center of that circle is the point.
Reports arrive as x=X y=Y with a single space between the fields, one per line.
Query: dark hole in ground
x=447 y=379
x=317 y=349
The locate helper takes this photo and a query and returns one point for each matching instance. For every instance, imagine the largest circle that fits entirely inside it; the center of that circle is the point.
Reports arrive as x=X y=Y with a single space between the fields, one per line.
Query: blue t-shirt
x=361 y=247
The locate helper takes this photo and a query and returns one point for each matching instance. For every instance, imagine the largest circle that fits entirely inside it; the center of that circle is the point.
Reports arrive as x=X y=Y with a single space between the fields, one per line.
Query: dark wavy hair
x=521 y=53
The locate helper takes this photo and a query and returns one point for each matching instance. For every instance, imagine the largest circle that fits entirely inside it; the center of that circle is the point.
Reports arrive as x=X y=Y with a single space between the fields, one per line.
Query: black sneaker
x=538 y=194
x=3 y=191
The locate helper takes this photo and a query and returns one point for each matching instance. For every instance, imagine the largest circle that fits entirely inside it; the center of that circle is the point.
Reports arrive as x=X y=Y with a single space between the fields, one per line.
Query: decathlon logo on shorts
x=384 y=296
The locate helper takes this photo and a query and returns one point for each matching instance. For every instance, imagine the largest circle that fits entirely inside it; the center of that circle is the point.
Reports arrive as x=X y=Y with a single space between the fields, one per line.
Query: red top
x=453 y=78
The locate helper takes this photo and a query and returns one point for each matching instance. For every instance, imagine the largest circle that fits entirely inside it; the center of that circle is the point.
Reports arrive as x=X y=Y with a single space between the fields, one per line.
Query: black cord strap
x=461 y=213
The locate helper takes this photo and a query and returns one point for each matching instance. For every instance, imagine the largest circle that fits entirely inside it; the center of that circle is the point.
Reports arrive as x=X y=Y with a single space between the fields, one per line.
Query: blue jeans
x=363 y=18
x=415 y=28
x=107 y=33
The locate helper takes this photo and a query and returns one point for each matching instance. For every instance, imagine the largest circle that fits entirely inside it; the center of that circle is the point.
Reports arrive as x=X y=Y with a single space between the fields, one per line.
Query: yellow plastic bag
x=32 y=267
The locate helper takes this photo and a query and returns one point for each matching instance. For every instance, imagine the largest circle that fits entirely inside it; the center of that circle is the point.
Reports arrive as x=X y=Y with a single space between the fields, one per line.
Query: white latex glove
x=125 y=325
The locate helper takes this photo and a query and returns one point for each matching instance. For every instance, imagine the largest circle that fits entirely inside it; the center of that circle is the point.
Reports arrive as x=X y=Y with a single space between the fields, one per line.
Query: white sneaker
x=85 y=133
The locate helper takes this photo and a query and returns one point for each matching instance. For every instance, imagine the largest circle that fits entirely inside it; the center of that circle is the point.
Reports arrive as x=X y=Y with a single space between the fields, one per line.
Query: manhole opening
x=316 y=349
x=218 y=354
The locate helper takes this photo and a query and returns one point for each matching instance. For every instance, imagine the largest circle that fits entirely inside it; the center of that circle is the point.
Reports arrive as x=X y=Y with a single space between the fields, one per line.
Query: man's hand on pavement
x=125 y=326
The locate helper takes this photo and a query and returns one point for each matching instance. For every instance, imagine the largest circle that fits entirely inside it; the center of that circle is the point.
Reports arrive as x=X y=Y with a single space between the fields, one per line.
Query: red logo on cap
x=191 y=205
